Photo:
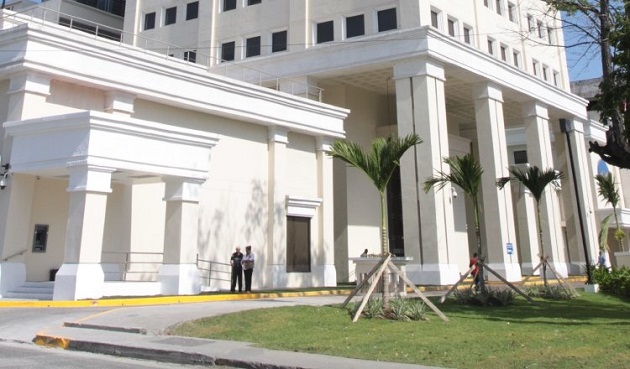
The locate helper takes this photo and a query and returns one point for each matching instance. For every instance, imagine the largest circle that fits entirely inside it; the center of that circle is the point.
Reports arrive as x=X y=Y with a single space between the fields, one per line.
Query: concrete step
x=32 y=291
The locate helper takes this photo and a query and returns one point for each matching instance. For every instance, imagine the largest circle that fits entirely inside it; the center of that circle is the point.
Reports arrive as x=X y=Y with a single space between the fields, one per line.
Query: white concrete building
x=479 y=76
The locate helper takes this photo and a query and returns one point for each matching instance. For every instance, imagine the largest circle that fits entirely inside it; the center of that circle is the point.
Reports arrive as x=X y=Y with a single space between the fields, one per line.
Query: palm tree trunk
x=482 y=279
x=384 y=249
x=621 y=248
x=543 y=261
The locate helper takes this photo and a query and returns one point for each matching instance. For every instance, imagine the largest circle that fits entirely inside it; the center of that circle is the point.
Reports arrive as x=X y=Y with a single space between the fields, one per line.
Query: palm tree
x=466 y=174
x=379 y=164
x=607 y=189
x=535 y=180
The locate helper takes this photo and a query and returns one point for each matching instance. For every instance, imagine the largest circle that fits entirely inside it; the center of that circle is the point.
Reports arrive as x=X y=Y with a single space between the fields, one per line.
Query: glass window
x=253 y=2
x=278 y=41
x=504 y=53
x=451 y=27
x=435 y=21
x=541 y=30
x=190 y=56
x=229 y=5
x=40 y=238
x=387 y=20
x=355 y=26
x=520 y=156
x=325 y=32
x=252 y=47
x=149 y=21
x=467 y=35
x=227 y=51
x=490 y=46
x=516 y=59
x=512 y=12
x=170 y=16
x=192 y=10
x=298 y=244
x=499 y=8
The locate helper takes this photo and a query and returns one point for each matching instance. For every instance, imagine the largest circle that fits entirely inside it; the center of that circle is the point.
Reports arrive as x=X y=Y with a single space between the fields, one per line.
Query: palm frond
x=465 y=172
x=607 y=189
x=603 y=232
x=533 y=178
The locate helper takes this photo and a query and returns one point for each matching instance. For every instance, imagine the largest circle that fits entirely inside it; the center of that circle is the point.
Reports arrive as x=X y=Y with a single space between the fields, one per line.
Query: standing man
x=248 y=267
x=237 y=270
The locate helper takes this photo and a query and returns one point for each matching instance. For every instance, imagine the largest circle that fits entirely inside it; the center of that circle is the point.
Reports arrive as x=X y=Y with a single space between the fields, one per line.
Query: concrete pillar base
x=79 y=281
x=180 y=279
x=510 y=271
x=433 y=274
x=526 y=268
x=12 y=275
x=325 y=276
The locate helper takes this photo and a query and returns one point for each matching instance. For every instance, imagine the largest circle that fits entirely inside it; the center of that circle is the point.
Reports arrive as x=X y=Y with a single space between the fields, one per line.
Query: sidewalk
x=139 y=331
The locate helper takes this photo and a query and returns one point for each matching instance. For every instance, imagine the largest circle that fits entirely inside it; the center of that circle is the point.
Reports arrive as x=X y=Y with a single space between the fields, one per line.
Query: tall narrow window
x=468 y=35
x=516 y=59
x=355 y=26
x=40 y=238
x=149 y=21
x=170 y=16
x=387 y=19
x=192 y=10
x=395 y=215
x=550 y=35
x=325 y=32
x=228 y=51
x=252 y=47
x=535 y=68
x=504 y=53
x=298 y=244
x=229 y=5
x=451 y=27
x=541 y=30
x=556 y=79
x=531 y=23
x=278 y=41
x=499 y=7
x=490 y=46
x=435 y=20
x=512 y=12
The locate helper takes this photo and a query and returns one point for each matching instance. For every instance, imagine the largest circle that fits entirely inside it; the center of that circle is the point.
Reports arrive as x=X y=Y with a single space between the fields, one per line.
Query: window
x=149 y=21
x=468 y=35
x=227 y=51
x=556 y=79
x=516 y=59
x=229 y=5
x=192 y=10
x=550 y=35
x=499 y=8
x=298 y=244
x=170 y=16
x=355 y=26
x=451 y=27
x=190 y=56
x=530 y=23
x=490 y=46
x=40 y=238
x=541 y=29
x=504 y=53
x=325 y=32
x=252 y=47
x=435 y=20
x=545 y=73
x=486 y=3
x=278 y=41
x=387 y=19
x=520 y=156
x=253 y=2
x=535 y=68
x=512 y=12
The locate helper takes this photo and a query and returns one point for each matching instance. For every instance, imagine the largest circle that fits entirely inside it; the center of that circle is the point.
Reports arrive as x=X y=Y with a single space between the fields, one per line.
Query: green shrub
x=492 y=297
x=616 y=282
x=402 y=309
x=555 y=292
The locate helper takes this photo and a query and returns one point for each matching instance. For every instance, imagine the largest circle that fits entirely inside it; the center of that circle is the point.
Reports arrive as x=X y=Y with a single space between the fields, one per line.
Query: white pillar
x=179 y=274
x=325 y=255
x=276 y=253
x=539 y=154
x=428 y=217
x=498 y=216
x=81 y=275
x=580 y=216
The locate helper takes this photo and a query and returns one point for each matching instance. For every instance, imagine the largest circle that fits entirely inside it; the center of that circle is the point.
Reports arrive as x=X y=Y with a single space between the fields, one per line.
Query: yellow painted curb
x=164 y=300
x=50 y=341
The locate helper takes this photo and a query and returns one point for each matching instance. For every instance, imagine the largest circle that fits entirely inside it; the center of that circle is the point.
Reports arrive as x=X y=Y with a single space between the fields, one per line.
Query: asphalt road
x=19 y=355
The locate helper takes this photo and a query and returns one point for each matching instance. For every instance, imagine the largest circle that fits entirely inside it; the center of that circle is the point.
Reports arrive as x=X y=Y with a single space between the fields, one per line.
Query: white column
x=325 y=255
x=498 y=216
x=527 y=232
x=179 y=274
x=579 y=214
x=428 y=217
x=539 y=154
x=81 y=275
x=276 y=255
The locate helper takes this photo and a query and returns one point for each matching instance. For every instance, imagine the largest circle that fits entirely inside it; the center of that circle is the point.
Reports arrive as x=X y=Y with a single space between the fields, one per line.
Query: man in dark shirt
x=237 y=270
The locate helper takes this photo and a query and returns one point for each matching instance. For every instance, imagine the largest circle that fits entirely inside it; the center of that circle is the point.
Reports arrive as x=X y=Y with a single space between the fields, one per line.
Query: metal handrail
x=213 y=268
x=212 y=64
x=19 y=253
x=126 y=265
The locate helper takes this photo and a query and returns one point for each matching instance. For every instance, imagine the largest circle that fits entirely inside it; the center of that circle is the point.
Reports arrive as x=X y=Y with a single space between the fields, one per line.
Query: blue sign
x=510 y=248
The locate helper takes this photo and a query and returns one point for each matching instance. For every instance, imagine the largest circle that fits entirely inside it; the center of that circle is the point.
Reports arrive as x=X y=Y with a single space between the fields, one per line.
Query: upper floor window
x=451 y=27
x=228 y=51
x=541 y=30
x=252 y=47
x=504 y=53
x=192 y=10
x=229 y=5
x=499 y=7
x=535 y=68
x=190 y=56
x=278 y=41
x=530 y=23
x=550 y=35
x=149 y=21
x=486 y=3
x=468 y=35
x=520 y=156
x=545 y=73
x=387 y=19
x=516 y=59
x=253 y=2
x=355 y=26
x=490 y=46
x=170 y=16
x=512 y=12
x=325 y=32
x=435 y=19
x=556 y=79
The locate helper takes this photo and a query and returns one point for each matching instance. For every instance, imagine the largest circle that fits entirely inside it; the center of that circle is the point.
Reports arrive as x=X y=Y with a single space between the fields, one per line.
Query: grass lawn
x=592 y=331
